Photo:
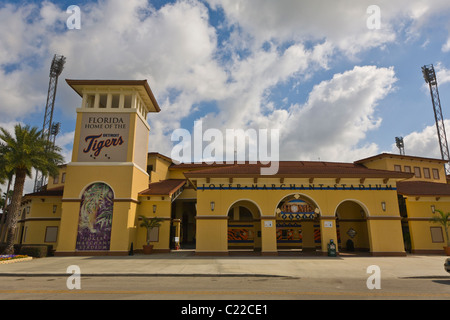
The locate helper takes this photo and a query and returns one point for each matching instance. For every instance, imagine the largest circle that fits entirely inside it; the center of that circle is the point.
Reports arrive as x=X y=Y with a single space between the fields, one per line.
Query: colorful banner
x=95 y=219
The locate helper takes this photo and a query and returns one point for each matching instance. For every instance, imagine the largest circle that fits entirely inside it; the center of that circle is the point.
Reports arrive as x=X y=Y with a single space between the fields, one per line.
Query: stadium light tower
x=49 y=130
x=400 y=145
x=430 y=78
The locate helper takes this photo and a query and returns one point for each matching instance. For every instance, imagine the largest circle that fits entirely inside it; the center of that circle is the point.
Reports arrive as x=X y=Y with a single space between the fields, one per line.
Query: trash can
x=331 y=248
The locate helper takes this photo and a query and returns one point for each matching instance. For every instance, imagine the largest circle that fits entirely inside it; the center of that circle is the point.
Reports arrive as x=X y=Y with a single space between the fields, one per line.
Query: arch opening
x=298 y=224
x=244 y=227
x=351 y=227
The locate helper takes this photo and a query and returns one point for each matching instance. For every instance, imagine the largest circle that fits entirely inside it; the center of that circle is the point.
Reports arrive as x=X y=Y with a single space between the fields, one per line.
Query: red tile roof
x=164 y=188
x=309 y=169
x=423 y=188
x=398 y=156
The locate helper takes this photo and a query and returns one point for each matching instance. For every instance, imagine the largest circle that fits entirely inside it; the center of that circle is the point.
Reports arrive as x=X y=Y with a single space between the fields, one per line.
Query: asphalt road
x=237 y=288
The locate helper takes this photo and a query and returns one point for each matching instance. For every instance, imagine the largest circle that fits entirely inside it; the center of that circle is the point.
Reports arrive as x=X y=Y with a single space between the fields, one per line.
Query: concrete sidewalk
x=185 y=263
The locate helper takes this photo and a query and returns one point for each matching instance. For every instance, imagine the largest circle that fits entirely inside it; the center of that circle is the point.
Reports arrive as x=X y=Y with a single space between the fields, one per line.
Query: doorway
x=244 y=227
x=351 y=227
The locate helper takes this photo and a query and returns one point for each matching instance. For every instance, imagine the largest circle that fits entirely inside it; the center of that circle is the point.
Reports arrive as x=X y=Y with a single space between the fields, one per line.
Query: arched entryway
x=244 y=226
x=298 y=224
x=351 y=227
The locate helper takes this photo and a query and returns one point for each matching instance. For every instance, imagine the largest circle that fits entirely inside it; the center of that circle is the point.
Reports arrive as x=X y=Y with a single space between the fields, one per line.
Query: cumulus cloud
x=442 y=73
x=342 y=22
x=226 y=81
x=337 y=116
x=423 y=143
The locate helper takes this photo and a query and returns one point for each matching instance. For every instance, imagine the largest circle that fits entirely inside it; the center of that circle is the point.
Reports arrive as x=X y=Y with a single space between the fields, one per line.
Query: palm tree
x=20 y=154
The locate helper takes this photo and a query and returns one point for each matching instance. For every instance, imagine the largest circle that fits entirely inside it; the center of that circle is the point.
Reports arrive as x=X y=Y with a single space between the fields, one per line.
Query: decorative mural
x=296 y=209
x=95 y=219
x=317 y=238
x=289 y=232
x=241 y=235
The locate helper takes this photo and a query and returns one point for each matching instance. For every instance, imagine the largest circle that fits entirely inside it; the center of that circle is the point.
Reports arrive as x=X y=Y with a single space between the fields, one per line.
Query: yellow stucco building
x=381 y=205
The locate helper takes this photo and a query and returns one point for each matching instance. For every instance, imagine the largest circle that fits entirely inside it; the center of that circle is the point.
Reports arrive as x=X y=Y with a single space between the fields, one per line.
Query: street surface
x=220 y=288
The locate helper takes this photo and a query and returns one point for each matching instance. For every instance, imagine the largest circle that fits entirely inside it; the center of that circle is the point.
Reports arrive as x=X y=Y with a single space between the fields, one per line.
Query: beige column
x=269 y=235
x=328 y=232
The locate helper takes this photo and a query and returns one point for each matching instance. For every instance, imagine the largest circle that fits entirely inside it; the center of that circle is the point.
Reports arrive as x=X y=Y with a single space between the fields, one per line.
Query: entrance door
x=186 y=212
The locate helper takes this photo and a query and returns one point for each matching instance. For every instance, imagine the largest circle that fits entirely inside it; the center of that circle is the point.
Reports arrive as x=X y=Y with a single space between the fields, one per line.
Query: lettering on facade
x=104 y=138
x=371 y=187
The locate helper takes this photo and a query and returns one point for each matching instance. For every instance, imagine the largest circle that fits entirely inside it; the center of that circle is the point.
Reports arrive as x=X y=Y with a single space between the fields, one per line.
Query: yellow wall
x=40 y=216
x=160 y=168
x=388 y=163
x=126 y=181
x=163 y=211
x=59 y=181
x=386 y=224
x=419 y=215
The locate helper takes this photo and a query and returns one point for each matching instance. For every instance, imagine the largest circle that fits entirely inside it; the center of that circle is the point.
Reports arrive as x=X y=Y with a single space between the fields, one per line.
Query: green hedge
x=35 y=251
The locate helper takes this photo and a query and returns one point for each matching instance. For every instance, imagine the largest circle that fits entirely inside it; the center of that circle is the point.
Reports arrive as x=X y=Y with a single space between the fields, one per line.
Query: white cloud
x=337 y=116
x=442 y=74
x=65 y=142
x=423 y=143
x=446 y=46
x=178 y=51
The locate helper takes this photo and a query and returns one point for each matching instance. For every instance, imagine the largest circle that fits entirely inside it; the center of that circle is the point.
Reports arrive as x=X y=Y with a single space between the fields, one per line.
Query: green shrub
x=34 y=251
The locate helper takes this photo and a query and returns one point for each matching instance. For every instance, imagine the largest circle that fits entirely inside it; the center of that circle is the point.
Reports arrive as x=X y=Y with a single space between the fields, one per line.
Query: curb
x=204 y=275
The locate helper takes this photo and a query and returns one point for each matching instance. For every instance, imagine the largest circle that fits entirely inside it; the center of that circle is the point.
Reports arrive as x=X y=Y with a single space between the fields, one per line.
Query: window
x=127 y=101
x=103 y=101
x=63 y=178
x=115 y=101
x=436 y=174
x=154 y=235
x=417 y=172
x=426 y=173
x=436 y=235
x=397 y=168
x=407 y=169
x=56 y=179
x=51 y=234
x=90 y=101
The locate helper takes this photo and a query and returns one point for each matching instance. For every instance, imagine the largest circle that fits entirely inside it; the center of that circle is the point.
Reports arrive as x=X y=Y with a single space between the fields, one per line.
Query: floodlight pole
x=430 y=78
x=48 y=129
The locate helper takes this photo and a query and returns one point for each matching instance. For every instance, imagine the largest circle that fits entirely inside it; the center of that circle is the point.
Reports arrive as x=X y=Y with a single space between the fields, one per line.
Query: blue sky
x=336 y=90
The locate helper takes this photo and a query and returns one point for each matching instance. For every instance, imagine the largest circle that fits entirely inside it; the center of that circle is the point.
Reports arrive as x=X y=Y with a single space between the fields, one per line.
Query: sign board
x=328 y=224
x=268 y=224
x=104 y=137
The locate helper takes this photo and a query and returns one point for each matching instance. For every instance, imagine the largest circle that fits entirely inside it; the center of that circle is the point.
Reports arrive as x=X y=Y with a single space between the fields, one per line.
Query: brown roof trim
x=144 y=83
x=163 y=188
x=423 y=188
x=299 y=169
x=398 y=156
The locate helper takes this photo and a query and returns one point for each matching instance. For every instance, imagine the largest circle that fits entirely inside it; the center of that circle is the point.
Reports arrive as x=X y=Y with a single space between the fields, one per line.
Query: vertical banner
x=95 y=219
